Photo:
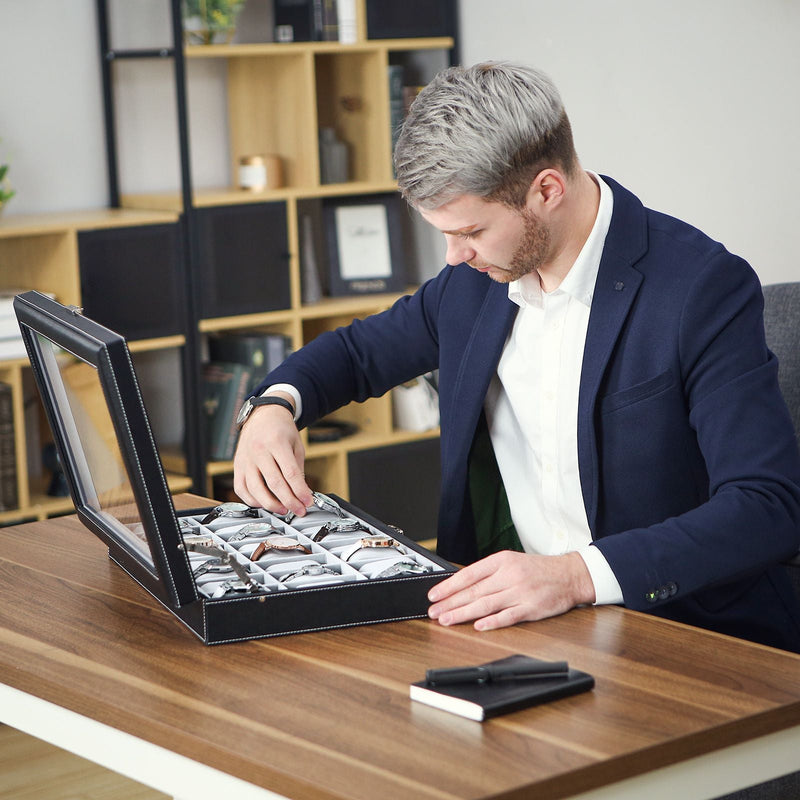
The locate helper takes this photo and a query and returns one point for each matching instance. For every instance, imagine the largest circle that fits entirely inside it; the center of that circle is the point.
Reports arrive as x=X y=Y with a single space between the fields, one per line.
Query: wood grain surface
x=327 y=715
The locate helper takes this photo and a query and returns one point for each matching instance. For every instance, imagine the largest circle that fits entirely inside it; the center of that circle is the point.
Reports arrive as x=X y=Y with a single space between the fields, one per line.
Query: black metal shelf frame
x=193 y=440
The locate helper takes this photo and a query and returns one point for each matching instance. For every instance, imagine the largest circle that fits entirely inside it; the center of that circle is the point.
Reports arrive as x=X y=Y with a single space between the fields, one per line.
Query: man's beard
x=530 y=254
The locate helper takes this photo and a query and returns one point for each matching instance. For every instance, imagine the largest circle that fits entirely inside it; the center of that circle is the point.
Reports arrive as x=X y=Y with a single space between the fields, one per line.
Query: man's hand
x=268 y=463
x=505 y=588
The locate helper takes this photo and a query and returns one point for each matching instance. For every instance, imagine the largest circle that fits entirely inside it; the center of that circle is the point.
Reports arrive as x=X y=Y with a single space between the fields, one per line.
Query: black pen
x=542 y=670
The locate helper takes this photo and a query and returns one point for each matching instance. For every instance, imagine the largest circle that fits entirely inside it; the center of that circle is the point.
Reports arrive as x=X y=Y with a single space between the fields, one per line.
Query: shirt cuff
x=289 y=389
x=606 y=587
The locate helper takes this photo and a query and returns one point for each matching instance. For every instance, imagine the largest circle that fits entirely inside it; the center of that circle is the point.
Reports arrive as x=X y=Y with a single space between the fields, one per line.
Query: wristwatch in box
x=229 y=510
x=121 y=495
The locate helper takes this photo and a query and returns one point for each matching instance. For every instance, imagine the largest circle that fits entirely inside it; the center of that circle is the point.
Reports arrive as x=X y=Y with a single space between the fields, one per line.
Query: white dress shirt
x=532 y=410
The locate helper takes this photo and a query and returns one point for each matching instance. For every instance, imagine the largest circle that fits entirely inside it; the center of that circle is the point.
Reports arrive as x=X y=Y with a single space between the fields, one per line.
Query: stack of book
x=314 y=20
x=401 y=96
x=8 y=456
x=238 y=363
x=11 y=344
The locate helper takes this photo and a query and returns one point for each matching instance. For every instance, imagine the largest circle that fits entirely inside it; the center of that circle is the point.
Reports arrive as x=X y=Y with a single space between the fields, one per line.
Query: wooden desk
x=91 y=663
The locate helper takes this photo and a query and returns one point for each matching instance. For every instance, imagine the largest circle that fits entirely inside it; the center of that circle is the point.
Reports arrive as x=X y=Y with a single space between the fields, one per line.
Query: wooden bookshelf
x=278 y=96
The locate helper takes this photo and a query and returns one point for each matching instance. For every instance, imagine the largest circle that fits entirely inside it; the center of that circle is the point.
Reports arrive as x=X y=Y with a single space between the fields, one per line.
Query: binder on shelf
x=305 y=20
x=260 y=352
x=396 y=110
x=225 y=385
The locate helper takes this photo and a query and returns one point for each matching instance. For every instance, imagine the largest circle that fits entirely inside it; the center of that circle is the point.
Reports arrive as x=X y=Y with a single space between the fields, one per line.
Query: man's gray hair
x=471 y=127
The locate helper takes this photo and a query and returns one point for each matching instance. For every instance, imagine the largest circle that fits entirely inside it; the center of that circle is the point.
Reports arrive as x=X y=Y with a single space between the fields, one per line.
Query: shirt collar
x=580 y=280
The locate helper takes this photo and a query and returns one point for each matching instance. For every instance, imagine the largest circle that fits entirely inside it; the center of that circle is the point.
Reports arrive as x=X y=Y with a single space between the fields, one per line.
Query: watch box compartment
x=93 y=404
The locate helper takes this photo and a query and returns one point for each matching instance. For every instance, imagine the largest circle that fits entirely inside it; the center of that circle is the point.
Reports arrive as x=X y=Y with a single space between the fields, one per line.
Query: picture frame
x=364 y=238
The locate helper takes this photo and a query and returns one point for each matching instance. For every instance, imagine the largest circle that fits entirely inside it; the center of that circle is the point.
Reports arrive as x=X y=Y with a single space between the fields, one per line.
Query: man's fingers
x=504 y=618
x=266 y=484
x=295 y=480
x=285 y=481
x=506 y=588
x=463 y=580
x=469 y=605
x=252 y=488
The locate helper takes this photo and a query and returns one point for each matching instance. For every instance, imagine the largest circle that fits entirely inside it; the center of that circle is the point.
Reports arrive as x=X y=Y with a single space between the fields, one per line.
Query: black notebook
x=479 y=701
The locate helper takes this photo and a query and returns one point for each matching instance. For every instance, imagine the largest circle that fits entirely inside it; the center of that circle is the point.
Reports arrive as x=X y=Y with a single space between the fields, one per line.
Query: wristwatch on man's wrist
x=268 y=400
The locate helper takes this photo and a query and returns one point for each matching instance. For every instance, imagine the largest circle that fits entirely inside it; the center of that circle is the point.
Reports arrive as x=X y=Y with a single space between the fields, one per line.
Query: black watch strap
x=272 y=400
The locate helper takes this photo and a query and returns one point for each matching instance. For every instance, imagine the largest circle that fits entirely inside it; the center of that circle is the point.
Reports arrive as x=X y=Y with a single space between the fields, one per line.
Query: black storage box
x=229 y=573
x=388 y=19
x=132 y=276
x=243 y=259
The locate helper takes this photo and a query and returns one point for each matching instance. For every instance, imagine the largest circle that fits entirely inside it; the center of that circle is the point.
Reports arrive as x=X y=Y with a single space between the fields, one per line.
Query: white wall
x=691 y=104
x=51 y=125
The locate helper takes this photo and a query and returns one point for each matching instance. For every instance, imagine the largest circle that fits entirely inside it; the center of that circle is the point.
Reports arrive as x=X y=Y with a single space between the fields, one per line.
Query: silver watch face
x=234 y=510
x=244 y=412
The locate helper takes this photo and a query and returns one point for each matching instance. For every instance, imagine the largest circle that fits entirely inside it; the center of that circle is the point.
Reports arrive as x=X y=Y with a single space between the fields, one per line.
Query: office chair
x=782 y=327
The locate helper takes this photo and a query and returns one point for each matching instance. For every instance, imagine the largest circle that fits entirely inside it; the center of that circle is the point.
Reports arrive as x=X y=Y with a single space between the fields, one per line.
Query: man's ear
x=546 y=191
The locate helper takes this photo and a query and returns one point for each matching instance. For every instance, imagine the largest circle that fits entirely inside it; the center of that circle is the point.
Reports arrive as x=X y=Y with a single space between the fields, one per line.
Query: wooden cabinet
x=61 y=254
x=243 y=259
x=238 y=252
x=279 y=97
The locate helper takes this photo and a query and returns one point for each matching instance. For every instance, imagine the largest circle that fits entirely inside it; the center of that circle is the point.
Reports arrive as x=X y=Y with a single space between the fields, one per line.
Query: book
x=396 y=111
x=12 y=348
x=294 y=20
x=480 y=701
x=305 y=20
x=261 y=352
x=8 y=451
x=7 y=301
x=11 y=344
x=330 y=21
x=225 y=385
x=9 y=328
x=348 y=28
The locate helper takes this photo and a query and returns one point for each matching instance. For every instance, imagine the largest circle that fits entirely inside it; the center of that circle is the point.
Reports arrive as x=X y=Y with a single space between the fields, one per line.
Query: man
x=612 y=430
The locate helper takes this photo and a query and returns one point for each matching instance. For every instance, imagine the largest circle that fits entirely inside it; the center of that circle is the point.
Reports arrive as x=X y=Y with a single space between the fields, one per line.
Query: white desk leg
x=135 y=758
x=713 y=774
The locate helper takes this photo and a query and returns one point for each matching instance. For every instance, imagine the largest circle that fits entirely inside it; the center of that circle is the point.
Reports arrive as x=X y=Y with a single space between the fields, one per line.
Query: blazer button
x=672 y=588
x=651 y=596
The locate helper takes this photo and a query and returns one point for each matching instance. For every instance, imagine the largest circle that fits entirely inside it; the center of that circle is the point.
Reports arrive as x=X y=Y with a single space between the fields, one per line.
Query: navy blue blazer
x=688 y=461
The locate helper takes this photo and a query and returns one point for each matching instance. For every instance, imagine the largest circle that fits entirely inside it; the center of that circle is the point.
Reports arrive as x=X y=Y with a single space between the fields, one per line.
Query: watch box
x=229 y=572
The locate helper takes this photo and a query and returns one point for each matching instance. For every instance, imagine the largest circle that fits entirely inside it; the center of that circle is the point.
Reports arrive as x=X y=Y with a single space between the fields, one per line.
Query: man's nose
x=458 y=251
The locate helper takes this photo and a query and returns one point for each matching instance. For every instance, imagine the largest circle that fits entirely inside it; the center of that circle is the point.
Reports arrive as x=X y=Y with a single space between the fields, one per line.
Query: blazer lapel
x=615 y=290
x=478 y=364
